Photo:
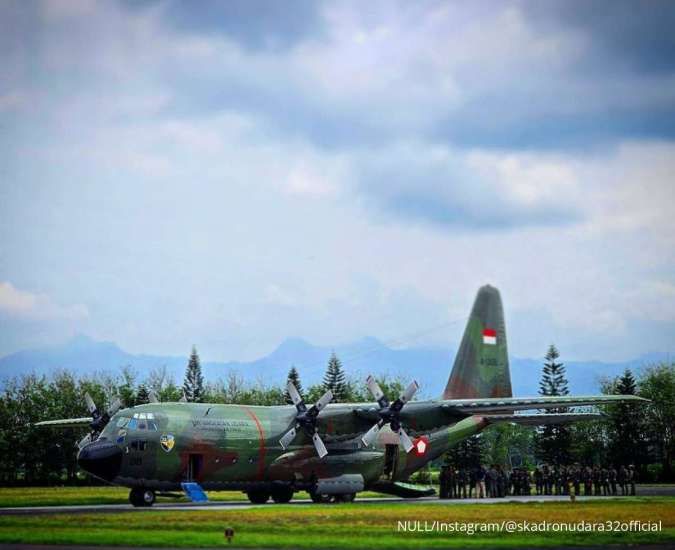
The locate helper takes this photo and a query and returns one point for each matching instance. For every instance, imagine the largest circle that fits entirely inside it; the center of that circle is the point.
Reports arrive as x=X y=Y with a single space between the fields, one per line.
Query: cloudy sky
x=233 y=173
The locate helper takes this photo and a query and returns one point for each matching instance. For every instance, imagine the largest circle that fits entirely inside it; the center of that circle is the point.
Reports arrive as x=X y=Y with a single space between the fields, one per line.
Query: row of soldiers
x=596 y=481
x=495 y=482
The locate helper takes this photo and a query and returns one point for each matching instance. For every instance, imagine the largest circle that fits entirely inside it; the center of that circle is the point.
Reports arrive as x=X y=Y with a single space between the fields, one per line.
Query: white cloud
x=20 y=304
x=183 y=173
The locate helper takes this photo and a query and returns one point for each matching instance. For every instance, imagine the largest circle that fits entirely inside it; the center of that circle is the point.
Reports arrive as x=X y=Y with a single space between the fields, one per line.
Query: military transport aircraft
x=333 y=451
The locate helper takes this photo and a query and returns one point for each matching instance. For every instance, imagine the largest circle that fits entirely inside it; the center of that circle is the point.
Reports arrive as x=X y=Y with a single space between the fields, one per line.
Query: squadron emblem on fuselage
x=167 y=442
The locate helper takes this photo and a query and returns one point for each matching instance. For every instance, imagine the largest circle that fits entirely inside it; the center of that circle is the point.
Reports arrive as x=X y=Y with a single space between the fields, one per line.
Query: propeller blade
x=323 y=401
x=114 y=406
x=377 y=392
x=91 y=406
x=152 y=397
x=407 y=395
x=287 y=438
x=319 y=446
x=405 y=440
x=293 y=392
x=370 y=436
x=183 y=399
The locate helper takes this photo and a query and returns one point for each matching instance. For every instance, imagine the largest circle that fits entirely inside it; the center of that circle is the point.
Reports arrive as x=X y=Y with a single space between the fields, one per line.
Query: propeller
x=99 y=419
x=152 y=397
x=305 y=419
x=389 y=413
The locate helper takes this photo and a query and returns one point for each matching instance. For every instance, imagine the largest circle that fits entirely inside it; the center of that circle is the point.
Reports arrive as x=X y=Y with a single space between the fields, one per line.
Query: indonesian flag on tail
x=490 y=336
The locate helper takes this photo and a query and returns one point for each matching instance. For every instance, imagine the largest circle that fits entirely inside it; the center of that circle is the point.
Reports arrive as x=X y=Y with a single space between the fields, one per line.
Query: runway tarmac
x=60 y=547
x=653 y=490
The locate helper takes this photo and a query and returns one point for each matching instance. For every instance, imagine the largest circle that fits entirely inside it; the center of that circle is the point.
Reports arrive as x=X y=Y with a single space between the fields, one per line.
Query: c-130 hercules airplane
x=333 y=451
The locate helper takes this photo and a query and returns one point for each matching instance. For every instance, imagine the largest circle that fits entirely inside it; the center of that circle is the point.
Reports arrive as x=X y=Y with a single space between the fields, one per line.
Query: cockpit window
x=143 y=421
x=122 y=421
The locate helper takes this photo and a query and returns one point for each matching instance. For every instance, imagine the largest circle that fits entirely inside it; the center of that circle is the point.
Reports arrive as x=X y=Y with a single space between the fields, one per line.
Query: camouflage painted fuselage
x=237 y=446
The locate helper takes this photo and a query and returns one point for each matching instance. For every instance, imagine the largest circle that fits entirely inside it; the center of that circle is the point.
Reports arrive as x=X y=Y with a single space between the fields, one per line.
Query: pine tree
x=335 y=380
x=626 y=444
x=193 y=384
x=553 y=379
x=467 y=454
x=554 y=440
x=293 y=376
x=142 y=395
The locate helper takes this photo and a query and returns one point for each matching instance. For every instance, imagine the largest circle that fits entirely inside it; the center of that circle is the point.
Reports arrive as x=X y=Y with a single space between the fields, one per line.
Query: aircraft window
x=122 y=421
x=139 y=445
x=132 y=423
x=142 y=421
x=152 y=425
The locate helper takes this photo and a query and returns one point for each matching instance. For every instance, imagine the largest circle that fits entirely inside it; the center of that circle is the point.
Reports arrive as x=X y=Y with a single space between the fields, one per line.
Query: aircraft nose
x=101 y=459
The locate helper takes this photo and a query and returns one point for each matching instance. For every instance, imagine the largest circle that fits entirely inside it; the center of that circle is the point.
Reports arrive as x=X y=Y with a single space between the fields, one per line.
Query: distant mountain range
x=430 y=366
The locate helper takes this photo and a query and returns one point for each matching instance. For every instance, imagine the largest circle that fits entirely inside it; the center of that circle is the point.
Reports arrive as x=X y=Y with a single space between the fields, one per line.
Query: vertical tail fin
x=481 y=366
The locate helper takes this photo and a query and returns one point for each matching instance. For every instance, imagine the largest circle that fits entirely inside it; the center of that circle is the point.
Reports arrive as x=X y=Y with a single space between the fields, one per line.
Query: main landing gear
x=142 y=497
x=280 y=495
x=324 y=499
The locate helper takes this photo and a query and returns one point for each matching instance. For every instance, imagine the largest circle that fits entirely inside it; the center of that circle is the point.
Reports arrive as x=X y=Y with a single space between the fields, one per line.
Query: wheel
x=135 y=497
x=141 y=497
x=148 y=497
x=258 y=497
x=348 y=497
x=319 y=498
x=282 y=495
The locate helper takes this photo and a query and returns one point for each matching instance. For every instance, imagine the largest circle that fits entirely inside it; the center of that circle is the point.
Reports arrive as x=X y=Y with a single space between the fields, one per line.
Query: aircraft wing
x=541 y=419
x=506 y=404
x=66 y=423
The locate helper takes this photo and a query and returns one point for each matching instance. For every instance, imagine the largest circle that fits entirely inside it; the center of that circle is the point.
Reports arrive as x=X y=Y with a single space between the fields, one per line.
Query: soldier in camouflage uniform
x=596 y=481
x=604 y=480
x=462 y=480
x=538 y=480
x=587 y=477
x=622 y=477
x=443 y=483
x=612 y=480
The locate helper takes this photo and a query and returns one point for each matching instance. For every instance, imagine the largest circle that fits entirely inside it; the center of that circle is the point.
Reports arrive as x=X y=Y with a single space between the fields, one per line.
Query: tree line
x=42 y=456
x=642 y=435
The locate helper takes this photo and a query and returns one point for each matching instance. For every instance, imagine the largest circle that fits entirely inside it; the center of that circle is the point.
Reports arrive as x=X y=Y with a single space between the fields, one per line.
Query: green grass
x=72 y=496
x=340 y=526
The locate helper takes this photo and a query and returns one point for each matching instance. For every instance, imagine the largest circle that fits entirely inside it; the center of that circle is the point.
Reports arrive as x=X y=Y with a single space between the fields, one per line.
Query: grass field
x=72 y=496
x=342 y=526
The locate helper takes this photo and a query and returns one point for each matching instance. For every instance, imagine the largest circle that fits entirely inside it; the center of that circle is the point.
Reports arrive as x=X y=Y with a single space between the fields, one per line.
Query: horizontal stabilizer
x=505 y=405
x=403 y=490
x=541 y=419
x=66 y=423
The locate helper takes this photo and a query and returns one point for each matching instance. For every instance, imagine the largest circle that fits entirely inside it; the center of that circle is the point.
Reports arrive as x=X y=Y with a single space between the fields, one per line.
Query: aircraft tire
x=258 y=497
x=141 y=497
x=348 y=497
x=282 y=495
x=319 y=498
x=148 y=497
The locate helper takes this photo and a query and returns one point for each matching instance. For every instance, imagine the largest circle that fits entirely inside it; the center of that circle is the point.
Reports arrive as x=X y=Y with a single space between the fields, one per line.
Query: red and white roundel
x=421 y=444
